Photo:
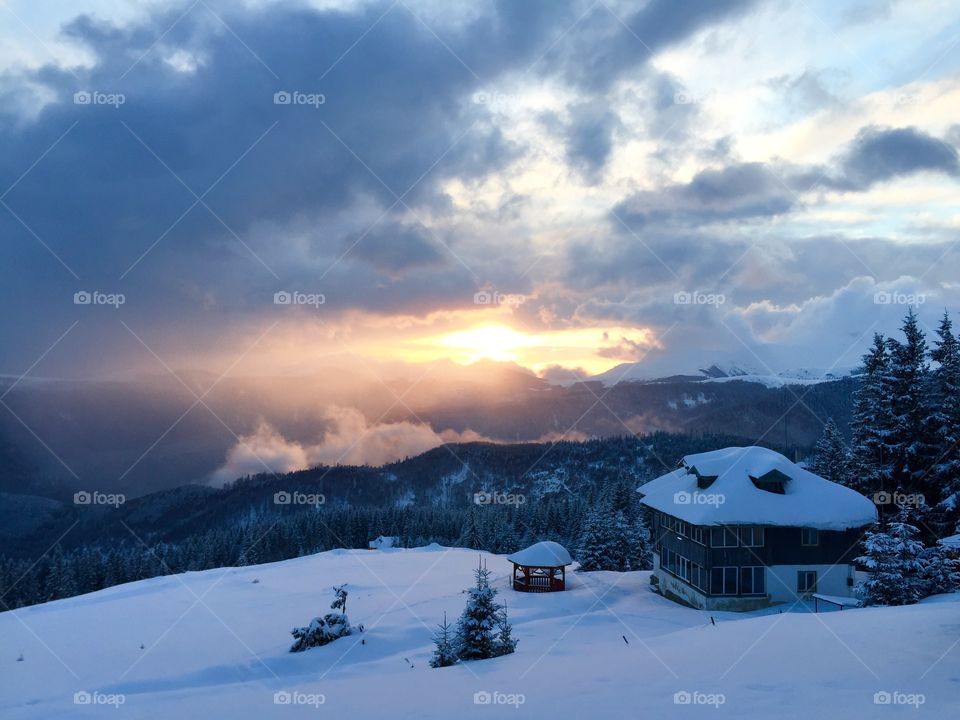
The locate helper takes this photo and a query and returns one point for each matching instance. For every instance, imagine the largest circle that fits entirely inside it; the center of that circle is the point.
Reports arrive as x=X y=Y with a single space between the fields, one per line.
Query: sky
x=271 y=187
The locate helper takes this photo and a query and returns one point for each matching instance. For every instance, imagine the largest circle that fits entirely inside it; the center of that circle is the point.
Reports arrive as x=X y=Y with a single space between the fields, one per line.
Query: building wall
x=781 y=586
x=831 y=580
x=782 y=547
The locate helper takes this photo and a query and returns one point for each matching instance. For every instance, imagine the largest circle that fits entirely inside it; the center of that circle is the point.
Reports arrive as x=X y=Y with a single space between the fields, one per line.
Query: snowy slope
x=216 y=647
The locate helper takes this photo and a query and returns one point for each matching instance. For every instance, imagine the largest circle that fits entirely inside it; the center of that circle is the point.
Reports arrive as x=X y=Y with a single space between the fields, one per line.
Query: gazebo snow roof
x=546 y=554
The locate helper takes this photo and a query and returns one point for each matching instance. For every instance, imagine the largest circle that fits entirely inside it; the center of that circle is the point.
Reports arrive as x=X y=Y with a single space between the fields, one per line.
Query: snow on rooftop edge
x=732 y=499
x=542 y=554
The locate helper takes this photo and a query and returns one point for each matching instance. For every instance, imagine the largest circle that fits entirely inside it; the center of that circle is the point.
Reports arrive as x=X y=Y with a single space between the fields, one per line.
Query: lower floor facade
x=747 y=587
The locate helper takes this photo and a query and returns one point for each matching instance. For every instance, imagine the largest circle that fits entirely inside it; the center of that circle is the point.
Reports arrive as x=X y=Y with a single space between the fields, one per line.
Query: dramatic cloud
x=396 y=158
x=590 y=140
x=349 y=440
x=751 y=190
x=879 y=154
x=734 y=192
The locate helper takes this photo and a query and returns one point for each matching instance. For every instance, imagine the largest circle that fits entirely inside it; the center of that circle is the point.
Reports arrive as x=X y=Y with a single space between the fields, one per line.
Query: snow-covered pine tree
x=624 y=499
x=621 y=549
x=478 y=623
x=832 y=458
x=939 y=572
x=506 y=643
x=945 y=426
x=640 y=555
x=502 y=537
x=471 y=536
x=911 y=448
x=893 y=559
x=445 y=652
x=869 y=463
x=324 y=630
x=597 y=548
x=340 y=599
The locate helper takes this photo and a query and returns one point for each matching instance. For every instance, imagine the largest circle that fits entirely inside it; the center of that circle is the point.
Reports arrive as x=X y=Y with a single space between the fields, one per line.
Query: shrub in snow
x=324 y=630
x=320 y=631
x=893 y=559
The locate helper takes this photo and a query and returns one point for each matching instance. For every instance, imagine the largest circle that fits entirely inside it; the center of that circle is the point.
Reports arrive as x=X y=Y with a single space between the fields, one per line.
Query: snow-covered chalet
x=742 y=528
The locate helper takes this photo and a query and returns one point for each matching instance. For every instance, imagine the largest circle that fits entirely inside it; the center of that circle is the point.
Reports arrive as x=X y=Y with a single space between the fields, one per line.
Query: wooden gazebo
x=542 y=567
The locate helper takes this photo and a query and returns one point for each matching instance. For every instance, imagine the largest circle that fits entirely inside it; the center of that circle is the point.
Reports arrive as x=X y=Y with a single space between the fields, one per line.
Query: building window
x=752 y=580
x=723 y=537
x=683 y=568
x=751 y=536
x=697 y=535
x=698 y=577
x=807 y=581
x=809 y=536
x=723 y=581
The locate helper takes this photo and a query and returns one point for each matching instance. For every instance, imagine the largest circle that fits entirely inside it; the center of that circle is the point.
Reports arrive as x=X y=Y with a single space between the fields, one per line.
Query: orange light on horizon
x=536 y=350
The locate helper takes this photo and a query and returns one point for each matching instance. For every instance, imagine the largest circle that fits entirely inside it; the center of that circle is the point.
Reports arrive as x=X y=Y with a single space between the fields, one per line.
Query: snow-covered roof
x=951 y=542
x=542 y=554
x=383 y=542
x=807 y=500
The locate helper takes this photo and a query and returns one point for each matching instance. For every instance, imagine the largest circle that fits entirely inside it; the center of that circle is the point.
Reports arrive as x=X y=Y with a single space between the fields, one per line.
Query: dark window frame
x=723 y=569
x=803 y=587
x=755 y=572
x=754 y=530
x=726 y=534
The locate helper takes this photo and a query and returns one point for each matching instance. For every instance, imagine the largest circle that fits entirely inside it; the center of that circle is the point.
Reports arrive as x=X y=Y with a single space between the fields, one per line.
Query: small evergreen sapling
x=483 y=630
x=506 y=643
x=475 y=631
x=340 y=599
x=324 y=630
x=445 y=652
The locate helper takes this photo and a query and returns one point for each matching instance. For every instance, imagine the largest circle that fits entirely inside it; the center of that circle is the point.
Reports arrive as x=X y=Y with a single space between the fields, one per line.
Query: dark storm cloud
x=608 y=47
x=735 y=192
x=743 y=191
x=590 y=137
x=879 y=154
x=397 y=248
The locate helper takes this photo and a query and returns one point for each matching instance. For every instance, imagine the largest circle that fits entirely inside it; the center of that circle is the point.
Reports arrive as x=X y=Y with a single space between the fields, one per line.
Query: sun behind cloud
x=534 y=349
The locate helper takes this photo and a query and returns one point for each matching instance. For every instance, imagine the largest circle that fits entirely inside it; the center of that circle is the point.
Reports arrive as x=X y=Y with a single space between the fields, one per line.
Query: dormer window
x=773 y=482
x=703 y=481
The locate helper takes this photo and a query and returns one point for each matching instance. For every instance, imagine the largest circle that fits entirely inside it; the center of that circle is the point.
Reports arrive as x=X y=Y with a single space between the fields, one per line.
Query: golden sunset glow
x=487 y=342
x=536 y=350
